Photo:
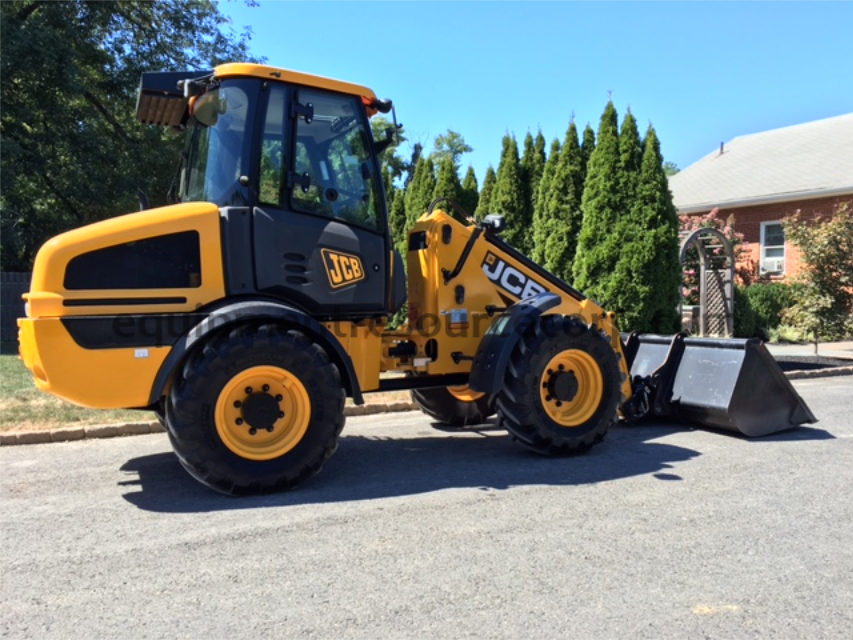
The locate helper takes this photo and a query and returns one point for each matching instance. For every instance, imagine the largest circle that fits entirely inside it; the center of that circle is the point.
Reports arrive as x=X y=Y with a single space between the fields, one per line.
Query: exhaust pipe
x=729 y=384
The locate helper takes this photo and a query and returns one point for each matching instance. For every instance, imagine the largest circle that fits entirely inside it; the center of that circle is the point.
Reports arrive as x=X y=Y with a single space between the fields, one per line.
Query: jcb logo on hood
x=342 y=268
x=509 y=278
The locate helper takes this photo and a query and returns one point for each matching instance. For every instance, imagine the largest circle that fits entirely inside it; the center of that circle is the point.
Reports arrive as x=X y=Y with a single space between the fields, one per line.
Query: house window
x=772 y=248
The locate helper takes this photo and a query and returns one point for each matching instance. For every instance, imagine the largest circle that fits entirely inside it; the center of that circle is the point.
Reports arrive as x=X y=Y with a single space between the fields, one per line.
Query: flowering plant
x=745 y=267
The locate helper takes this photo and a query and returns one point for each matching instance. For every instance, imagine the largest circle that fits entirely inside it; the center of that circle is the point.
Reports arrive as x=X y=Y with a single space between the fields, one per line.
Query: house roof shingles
x=809 y=160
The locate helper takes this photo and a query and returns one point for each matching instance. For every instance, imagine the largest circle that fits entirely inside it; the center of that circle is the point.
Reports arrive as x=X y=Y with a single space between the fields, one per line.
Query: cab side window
x=273 y=164
x=333 y=167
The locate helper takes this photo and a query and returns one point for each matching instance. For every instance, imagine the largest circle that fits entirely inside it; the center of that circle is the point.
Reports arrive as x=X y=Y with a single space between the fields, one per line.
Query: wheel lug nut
x=239 y=421
x=269 y=429
x=281 y=414
x=237 y=404
x=266 y=388
x=279 y=397
x=550 y=371
x=562 y=367
x=253 y=431
x=559 y=404
x=548 y=398
x=249 y=391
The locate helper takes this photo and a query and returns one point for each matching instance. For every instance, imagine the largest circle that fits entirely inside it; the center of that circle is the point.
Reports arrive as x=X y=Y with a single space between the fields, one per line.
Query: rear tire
x=562 y=387
x=454 y=406
x=256 y=410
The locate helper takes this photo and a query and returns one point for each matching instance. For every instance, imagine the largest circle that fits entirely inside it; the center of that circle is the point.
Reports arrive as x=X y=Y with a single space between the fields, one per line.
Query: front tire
x=256 y=410
x=562 y=387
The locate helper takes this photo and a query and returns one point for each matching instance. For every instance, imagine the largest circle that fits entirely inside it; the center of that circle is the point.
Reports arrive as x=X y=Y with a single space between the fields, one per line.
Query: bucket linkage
x=729 y=384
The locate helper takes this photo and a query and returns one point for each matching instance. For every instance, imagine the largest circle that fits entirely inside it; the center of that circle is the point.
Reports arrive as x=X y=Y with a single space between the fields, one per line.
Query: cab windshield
x=215 y=153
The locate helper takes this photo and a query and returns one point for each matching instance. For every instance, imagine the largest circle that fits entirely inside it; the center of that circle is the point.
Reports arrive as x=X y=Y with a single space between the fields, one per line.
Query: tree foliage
x=631 y=155
x=823 y=303
x=508 y=198
x=448 y=186
x=420 y=191
x=450 y=145
x=484 y=204
x=587 y=147
x=562 y=216
x=603 y=202
x=470 y=192
x=540 y=218
x=72 y=152
x=647 y=278
x=397 y=220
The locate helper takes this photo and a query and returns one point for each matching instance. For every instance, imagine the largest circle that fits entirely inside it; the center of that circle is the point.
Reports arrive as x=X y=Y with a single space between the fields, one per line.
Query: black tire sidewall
x=192 y=411
x=596 y=346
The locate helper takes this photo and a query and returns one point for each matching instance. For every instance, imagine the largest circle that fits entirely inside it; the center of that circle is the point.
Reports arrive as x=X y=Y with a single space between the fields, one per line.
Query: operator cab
x=291 y=161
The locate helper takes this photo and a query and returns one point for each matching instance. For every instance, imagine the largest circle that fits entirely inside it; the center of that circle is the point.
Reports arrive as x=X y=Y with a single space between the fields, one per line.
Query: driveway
x=411 y=532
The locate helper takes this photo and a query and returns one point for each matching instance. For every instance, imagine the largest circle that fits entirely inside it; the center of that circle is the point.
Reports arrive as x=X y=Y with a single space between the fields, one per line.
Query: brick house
x=757 y=180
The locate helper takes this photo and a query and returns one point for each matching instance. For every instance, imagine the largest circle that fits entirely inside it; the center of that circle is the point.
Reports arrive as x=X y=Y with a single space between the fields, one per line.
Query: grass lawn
x=24 y=408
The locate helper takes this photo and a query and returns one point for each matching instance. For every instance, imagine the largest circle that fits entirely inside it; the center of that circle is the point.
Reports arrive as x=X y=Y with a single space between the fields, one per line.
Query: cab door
x=319 y=229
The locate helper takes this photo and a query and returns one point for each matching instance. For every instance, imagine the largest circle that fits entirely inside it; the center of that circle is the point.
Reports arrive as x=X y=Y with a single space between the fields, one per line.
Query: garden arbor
x=715 y=279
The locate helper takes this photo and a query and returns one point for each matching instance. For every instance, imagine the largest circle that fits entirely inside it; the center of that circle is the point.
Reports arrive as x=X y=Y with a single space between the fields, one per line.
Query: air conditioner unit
x=773 y=265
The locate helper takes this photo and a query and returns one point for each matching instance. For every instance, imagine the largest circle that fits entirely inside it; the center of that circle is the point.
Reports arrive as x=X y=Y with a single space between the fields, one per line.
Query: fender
x=233 y=314
x=490 y=362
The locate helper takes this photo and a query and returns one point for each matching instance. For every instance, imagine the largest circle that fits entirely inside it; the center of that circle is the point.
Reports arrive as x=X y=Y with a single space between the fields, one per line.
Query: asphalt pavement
x=410 y=532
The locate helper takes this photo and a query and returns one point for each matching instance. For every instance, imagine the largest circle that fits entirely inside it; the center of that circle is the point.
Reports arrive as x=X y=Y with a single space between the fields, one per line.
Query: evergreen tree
x=563 y=208
x=484 y=204
x=448 y=186
x=411 y=166
x=631 y=154
x=508 y=197
x=526 y=173
x=587 y=147
x=532 y=167
x=397 y=220
x=540 y=219
x=388 y=183
x=647 y=278
x=419 y=193
x=598 y=245
x=470 y=192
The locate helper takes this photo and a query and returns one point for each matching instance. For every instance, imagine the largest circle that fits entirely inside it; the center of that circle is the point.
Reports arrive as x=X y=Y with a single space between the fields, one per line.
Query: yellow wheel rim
x=465 y=393
x=262 y=413
x=571 y=388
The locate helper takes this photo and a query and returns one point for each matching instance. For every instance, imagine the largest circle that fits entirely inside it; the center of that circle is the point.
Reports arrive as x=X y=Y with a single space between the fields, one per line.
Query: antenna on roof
x=721 y=147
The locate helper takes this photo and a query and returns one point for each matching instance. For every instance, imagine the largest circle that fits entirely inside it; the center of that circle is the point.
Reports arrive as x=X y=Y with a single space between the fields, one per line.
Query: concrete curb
x=87 y=432
x=69 y=434
x=820 y=373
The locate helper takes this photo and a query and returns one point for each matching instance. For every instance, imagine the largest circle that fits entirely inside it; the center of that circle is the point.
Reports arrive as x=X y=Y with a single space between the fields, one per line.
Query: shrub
x=745 y=319
x=767 y=302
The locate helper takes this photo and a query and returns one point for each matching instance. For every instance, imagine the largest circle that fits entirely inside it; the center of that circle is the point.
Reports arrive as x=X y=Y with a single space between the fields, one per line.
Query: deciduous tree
x=72 y=150
x=823 y=301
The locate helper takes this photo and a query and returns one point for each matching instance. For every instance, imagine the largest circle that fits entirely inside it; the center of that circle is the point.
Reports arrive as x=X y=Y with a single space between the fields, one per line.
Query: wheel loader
x=246 y=312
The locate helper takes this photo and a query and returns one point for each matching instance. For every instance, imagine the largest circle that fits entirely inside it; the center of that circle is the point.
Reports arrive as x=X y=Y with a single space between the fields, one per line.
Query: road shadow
x=797 y=434
x=370 y=467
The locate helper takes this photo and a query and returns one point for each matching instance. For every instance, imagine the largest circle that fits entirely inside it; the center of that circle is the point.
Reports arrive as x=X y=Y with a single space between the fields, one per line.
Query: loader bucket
x=729 y=384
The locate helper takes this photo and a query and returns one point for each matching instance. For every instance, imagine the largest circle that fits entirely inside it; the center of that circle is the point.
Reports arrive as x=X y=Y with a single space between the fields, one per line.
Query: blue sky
x=701 y=73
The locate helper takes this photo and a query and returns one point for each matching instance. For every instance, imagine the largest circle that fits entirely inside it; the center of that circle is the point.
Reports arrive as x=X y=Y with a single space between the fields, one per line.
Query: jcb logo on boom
x=509 y=278
x=343 y=269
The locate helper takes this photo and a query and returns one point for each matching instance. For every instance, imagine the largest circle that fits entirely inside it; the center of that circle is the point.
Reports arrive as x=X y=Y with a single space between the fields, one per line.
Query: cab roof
x=242 y=69
x=161 y=100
